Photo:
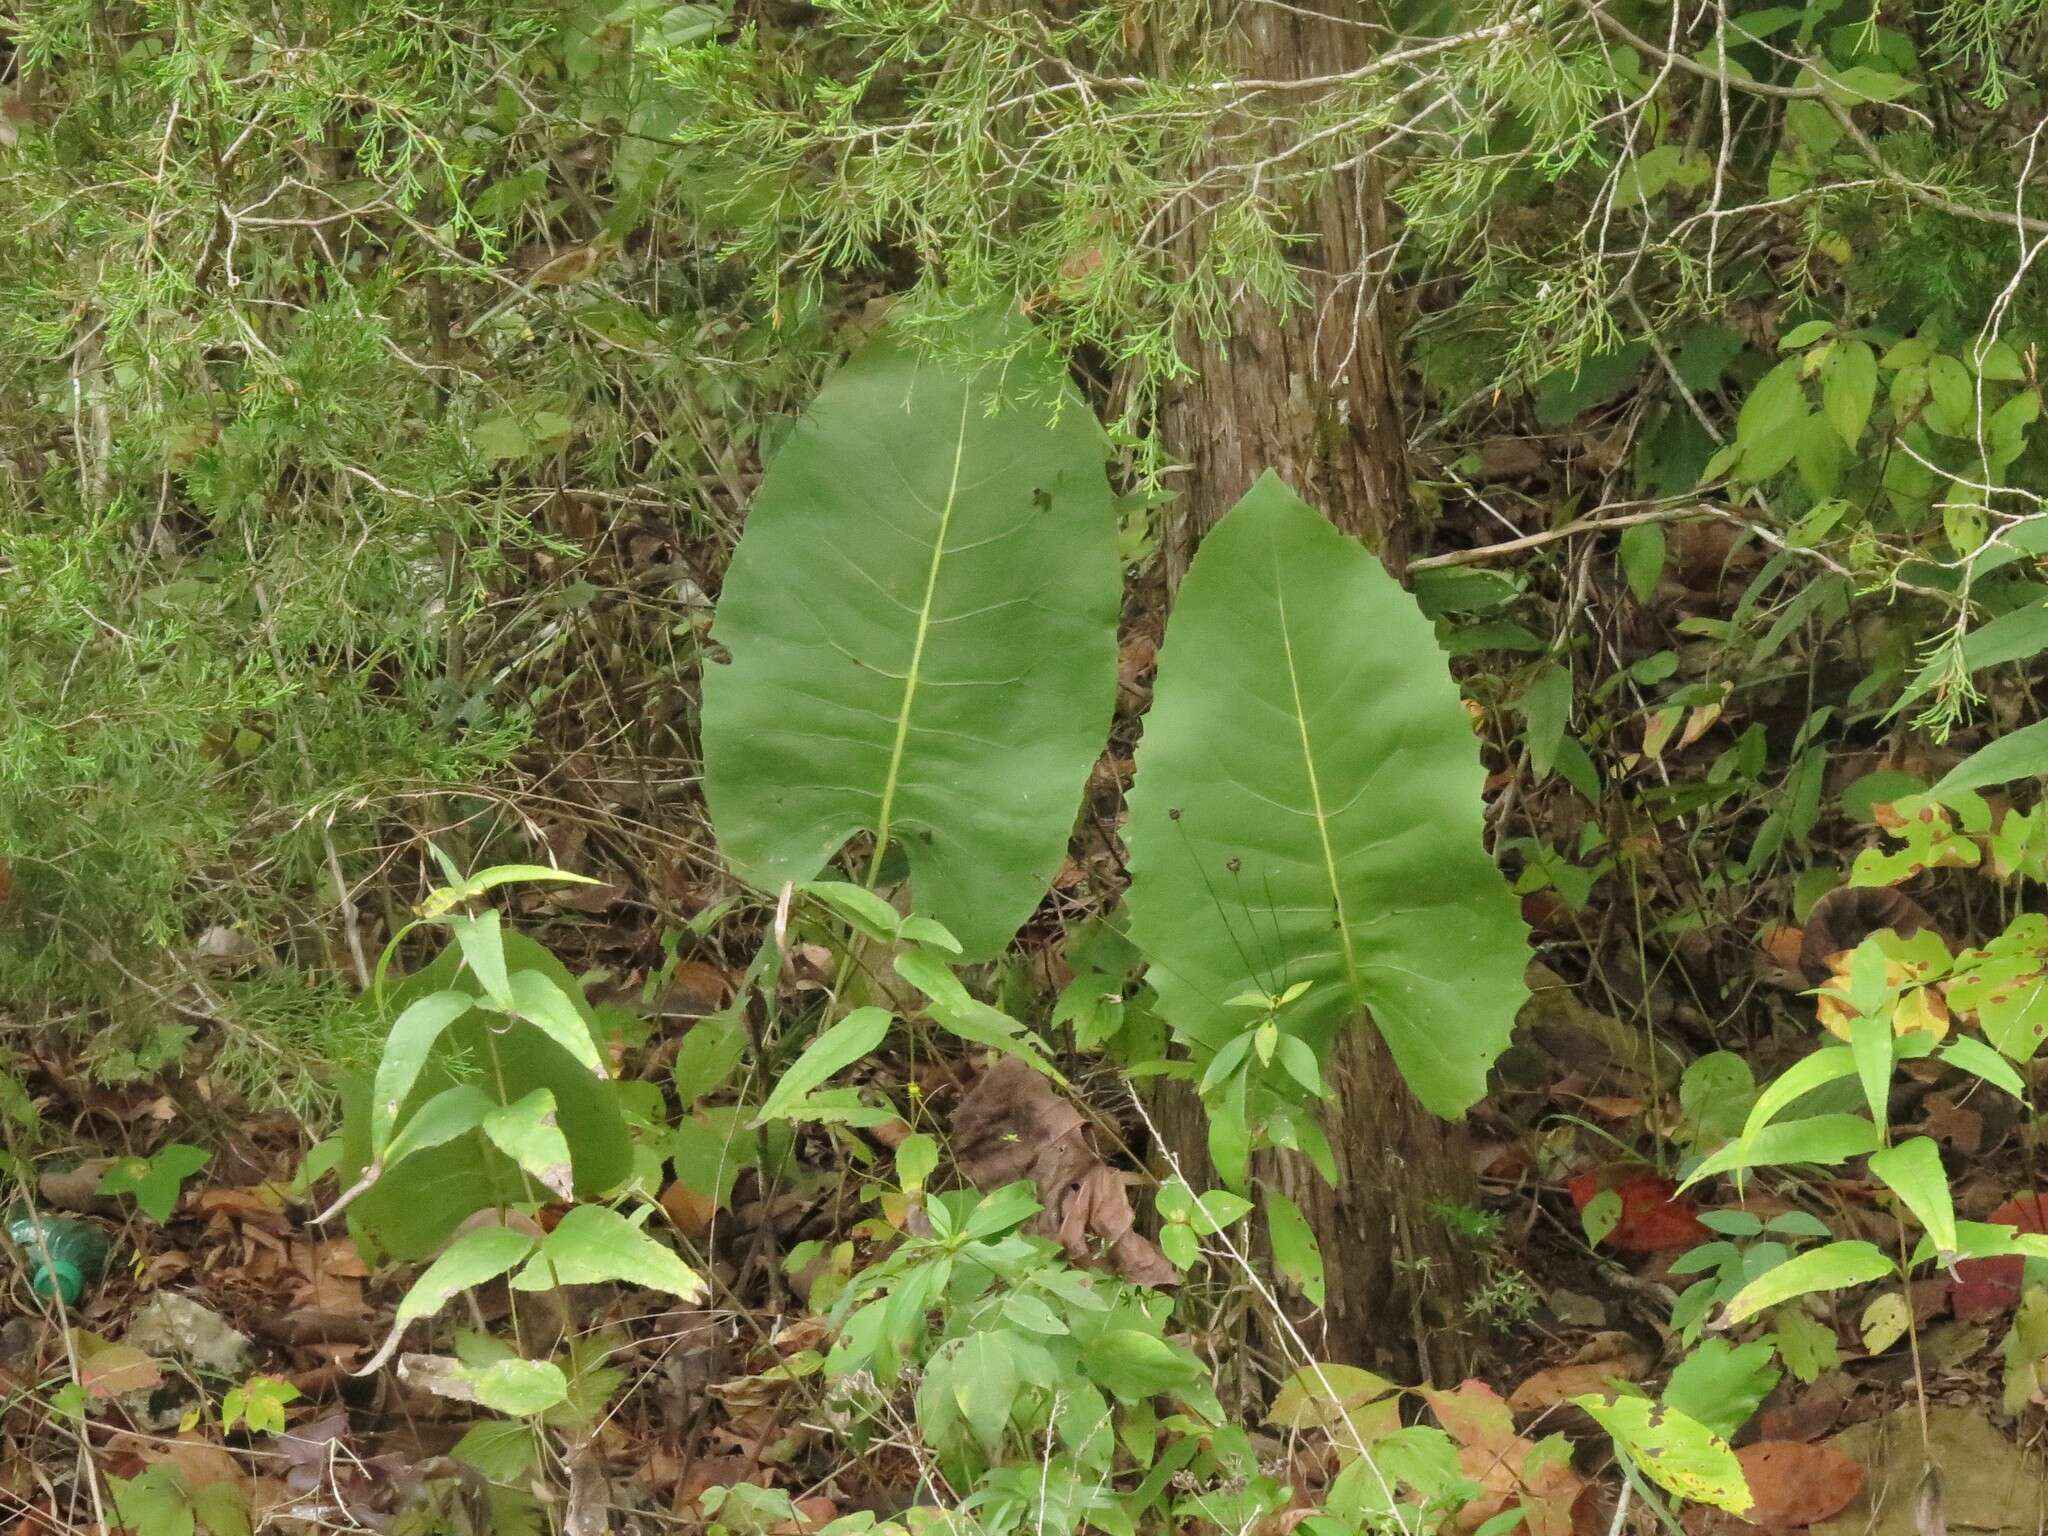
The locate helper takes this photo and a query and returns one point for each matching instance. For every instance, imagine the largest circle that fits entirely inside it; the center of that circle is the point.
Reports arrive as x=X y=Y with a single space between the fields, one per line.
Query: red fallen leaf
x=1795 y=1484
x=1546 y=911
x=1984 y=1288
x=1651 y=1219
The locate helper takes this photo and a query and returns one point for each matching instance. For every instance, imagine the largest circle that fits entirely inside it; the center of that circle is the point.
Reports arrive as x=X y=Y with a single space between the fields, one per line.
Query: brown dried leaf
x=1812 y=1413
x=691 y=1212
x=1560 y=1384
x=697 y=988
x=1798 y=1484
x=200 y=1462
x=1848 y=915
x=1592 y=1368
x=1956 y=1124
x=1011 y=1126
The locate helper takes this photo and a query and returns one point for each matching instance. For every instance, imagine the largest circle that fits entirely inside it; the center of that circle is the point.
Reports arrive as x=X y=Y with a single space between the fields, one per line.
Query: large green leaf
x=1307 y=808
x=922 y=622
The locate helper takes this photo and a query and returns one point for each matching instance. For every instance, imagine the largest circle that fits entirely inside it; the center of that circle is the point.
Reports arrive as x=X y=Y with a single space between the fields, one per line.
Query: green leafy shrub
x=492 y=1090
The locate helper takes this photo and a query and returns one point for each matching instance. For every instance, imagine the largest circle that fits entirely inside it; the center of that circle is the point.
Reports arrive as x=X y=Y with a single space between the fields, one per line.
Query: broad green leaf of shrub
x=1912 y=1170
x=413 y=1036
x=155 y=1182
x=956 y=1010
x=1715 y=1096
x=482 y=940
x=1824 y=1066
x=593 y=1245
x=1848 y=387
x=527 y=1133
x=481 y=1254
x=2015 y=755
x=1322 y=1396
x=1722 y=1384
x=157 y=1503
x=922 y=623
x=708 y=1054
x=520 y=1387
x=838 y=1048
x=985 y=1384
x=448 y=1114
x=1830 y=1140
x=1296 y=1253
x=549 y=1009
x=1973 y=1056
x=1307 y=808
x=1134 y=1365
x=1834 y=1267
x=1807 y=1347
x=448 y=897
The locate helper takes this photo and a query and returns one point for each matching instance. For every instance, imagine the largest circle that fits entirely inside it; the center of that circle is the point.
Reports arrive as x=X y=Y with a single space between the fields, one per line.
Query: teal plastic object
x=64 y=1256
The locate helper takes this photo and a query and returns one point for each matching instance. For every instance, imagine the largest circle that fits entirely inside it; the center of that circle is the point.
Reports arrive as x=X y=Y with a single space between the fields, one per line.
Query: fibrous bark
x=1311 y=390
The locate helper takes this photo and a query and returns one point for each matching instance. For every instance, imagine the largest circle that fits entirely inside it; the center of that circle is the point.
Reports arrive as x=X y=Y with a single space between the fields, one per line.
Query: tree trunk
x=1311 y=392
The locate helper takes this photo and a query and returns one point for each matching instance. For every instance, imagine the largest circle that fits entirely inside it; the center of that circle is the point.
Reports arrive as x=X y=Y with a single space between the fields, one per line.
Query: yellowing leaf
x=1675 y=1451
x=1320 y=1396
x=1885 y=1322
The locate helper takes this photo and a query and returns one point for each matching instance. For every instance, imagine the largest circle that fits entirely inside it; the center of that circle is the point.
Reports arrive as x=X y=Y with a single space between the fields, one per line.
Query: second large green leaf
x=922 y=622
x=1307 y=809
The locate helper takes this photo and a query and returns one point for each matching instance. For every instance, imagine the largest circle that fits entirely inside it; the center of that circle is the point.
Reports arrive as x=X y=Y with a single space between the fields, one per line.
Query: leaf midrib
x=885 y=813
x=1315 y=788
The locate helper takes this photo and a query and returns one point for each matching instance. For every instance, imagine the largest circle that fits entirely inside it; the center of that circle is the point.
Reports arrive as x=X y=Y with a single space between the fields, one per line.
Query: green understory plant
x=1305 y=832
x=493 y=1099
x=1306 y=855
x=1896 y=1001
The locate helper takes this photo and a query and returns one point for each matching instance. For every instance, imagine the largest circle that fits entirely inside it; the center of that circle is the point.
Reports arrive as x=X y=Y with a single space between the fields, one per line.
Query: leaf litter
x=1012 y=1125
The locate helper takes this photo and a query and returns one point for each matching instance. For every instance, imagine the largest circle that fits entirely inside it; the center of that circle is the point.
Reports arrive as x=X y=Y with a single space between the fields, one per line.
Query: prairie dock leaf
x=922 y=622
x=1308 y=806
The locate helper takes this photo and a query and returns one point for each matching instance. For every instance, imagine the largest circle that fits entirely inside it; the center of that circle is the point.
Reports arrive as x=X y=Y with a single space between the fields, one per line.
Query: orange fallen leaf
x=1562 y=1383
x=691 y=1212
x=1781 y=945
x=1798 y=1484
x=698 y=987
x=1614 y=1107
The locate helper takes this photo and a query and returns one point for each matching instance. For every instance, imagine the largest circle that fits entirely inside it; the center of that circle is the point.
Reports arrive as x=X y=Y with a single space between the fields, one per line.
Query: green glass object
x=64 y=1256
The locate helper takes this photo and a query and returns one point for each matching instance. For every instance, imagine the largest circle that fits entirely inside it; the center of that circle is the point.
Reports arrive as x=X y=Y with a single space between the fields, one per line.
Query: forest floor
x=226 y=1337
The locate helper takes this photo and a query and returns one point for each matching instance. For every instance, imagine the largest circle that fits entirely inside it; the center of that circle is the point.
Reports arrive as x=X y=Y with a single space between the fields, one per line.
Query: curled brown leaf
x=1845 y=917
x=1012 y=1125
